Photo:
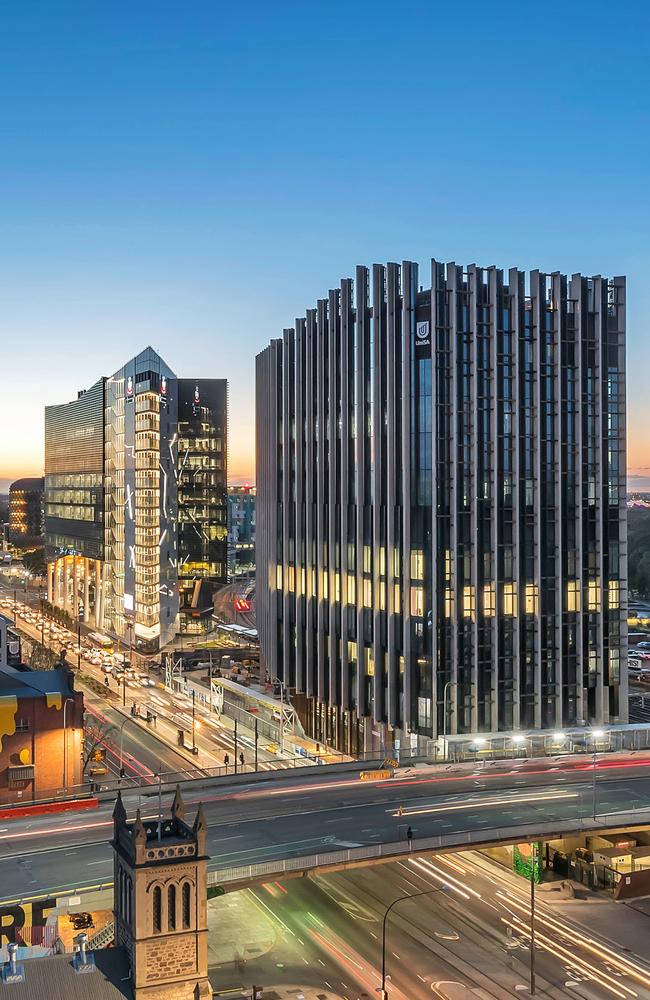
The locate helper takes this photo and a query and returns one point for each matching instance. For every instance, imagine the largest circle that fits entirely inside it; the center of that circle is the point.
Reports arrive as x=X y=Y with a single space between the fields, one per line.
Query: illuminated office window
x=367 y=593
x=278 y=577
x=531 y=599
x=417 y=564
x=573 y=595
x=397 y=568
x=447 y=564
x=489 y=600
x=367 y=559
x=397 y=598
x=417 y=602
x=369 y=662
x=614 y=595
x=510 y=599
x=382 y=561
x=352 y=589
x=324 y=580
x=352 y=652
x=469 y=608
x=593 y=595
x=337 y=586
x=382 y=595
x=449 y=603
x=292 y=579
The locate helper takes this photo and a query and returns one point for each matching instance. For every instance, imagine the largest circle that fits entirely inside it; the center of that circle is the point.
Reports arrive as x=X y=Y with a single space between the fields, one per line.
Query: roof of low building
x=35 y=683
x=55 y=976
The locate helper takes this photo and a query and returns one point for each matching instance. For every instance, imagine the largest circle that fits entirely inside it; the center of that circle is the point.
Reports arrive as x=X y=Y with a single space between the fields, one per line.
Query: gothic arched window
x=157 y=910
x=171 y=908
x=186 y=905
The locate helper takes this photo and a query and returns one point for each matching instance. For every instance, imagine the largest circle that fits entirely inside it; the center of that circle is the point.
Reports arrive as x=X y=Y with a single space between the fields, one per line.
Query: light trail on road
x=513 y=799
x=139 y=769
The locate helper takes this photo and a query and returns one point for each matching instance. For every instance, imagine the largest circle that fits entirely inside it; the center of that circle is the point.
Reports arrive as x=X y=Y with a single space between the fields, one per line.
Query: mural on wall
x=32 y=926
x=522 y=859
x=38 y=926
x=8 y=709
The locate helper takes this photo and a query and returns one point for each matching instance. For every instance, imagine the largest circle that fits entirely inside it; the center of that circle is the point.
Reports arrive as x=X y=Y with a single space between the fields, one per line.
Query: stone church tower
x=161 y=902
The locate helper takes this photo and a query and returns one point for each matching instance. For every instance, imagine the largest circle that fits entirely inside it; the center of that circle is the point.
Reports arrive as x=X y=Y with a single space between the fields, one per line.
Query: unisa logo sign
x=422 y=338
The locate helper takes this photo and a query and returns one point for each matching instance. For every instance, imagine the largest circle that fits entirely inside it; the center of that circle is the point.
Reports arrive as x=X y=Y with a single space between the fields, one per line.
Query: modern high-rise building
x=141 y=503
x=26 y=514
x=441 y=537
x=241 y=530
x=128 y=464
x=202 y=498
x=74 y=503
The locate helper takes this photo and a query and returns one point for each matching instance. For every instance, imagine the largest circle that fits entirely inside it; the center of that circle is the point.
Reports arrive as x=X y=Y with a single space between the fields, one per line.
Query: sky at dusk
x=194 y=175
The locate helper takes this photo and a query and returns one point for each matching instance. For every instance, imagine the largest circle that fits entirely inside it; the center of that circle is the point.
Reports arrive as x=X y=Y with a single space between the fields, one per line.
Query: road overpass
x=293 y=822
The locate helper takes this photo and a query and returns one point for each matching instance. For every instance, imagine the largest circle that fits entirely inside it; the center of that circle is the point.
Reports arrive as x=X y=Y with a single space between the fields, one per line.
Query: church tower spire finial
x=178 y=806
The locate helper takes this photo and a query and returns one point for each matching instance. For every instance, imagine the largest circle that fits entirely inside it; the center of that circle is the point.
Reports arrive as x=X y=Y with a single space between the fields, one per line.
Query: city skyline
x=325 y=491
x=200 y=199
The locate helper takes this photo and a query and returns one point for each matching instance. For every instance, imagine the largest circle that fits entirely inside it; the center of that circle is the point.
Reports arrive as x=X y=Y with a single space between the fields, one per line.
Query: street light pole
x=400 y=899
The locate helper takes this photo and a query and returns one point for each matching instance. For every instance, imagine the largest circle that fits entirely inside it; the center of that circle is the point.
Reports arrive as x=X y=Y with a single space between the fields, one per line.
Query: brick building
x=41 y=730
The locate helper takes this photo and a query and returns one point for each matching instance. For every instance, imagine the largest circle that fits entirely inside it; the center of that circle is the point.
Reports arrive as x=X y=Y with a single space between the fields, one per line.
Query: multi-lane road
x=321 y=811
x=214 y=738
x=468 y=924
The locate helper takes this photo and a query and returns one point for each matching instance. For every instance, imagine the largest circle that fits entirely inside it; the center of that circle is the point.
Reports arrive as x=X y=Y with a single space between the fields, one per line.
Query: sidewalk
x=247 y=943
x=237 y=931
x=625 y=925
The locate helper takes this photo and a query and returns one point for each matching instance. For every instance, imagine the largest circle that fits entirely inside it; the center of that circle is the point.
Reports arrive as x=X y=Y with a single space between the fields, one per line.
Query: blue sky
x=194 y=175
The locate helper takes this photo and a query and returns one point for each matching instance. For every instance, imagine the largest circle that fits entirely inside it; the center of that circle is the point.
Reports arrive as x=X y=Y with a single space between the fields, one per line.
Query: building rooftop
x=36 y=683
x=57 y=976
x=156 y=842
x=35 y=484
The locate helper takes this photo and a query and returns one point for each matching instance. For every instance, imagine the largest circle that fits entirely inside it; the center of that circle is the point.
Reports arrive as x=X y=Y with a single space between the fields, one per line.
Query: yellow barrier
x=375 y=775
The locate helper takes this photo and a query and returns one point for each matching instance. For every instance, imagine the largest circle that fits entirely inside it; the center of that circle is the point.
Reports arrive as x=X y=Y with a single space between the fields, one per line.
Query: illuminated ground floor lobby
x=76 y=584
